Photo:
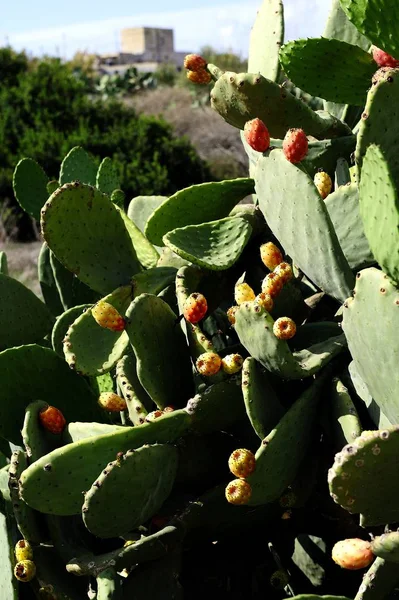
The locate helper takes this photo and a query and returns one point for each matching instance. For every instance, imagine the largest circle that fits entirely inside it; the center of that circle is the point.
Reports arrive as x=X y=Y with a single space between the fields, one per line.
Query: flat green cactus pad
x=216 y=245
x=370 y=323
x=71 y=290
x=281 y=452
x=376 y=20
x=380 y=580
x=80 y=225
x=78 y=166
x=339 y=27
x=30 y=186
x=330 y=69
x=138 y=483
x=379 y=208
x=299 y=219
x=155 y=337
x=344 y=420
x=32 y=372
x=92 y=349
x=387 y=546
x=79 y=431
x=52 y=186
x=381 y=421
x=62 y=325
x=139 y=403
x=47 y=282
x=343 y=208
x=84 y=460
x=362 y=478
x=24 y=319
x=3 y=263
x=142 y=207
x=8 y=583
x=196 y=204
x=263 y=408
x=107 y=179
x=254 y=327
x=146 y=252
x=267 y=35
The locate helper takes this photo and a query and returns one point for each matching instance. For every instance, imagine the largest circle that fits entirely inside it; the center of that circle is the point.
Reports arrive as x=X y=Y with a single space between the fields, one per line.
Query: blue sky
x=44 y=26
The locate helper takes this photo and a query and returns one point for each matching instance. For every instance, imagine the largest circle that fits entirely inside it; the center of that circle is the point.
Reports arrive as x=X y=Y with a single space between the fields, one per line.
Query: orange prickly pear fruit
x=284 y=272
x=257 y=135
x=284 y=328
x=107 y=316
x=242 y=463
x=52 y=419
x=112 y=402
x=352 y=554
x=208 y=363
x=270 y=255
x=265 y=301
x=195 y=308
x=295 y=145
x=272 y=284
x=201 y=77
x=194 y=62
x=231 y=314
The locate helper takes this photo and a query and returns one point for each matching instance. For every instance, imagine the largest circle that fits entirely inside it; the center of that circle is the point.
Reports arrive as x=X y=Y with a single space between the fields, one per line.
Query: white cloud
x=224 y=27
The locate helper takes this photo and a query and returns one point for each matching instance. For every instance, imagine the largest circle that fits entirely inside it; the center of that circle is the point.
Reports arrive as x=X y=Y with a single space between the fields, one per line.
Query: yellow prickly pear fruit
x=242 y=463
x=243 y=293
x=201 y=77
x=112 y=402
x=284 y=328
x=270 y=255
x=231 y=314
x=352 y=554
x=23 y=550
x=284 y=272
x=107 y=316
x=272 y=285
x=25 y=570
x=208 y=363
x=323 y=182
x=238 y=492
x=232 y=363
x=265 y=301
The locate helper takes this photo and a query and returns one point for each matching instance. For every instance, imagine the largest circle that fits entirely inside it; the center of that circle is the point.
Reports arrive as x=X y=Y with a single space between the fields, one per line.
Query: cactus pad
x=362 y=478
x=299 y=219
x=3 y=263
x=30 y=186
x=142 y=207
x=62 y=325
x=137 y=482
x=80 y=224
x=138 y=401
x=107 y=179
x=71 y=290
x=47 y=282
x=339 y=27
x=78 y=166
x=345 y=421
x=216 y=245
x=196 y=204
x=370 y=323
x=267 y=35
x=24 y=318
x=350 y=69
x=146 y=252
x=379 y=208
x=387 y=546
x=380 y=580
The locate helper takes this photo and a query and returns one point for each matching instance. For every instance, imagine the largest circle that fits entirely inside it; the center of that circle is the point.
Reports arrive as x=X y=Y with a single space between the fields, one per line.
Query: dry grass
x=22 y=263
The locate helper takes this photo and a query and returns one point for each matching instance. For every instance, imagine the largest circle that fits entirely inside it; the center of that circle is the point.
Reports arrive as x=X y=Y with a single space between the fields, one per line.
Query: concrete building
x=144 y=48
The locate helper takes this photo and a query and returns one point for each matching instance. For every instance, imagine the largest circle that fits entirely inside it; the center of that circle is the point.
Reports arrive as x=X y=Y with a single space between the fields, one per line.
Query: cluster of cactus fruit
x=189 y=339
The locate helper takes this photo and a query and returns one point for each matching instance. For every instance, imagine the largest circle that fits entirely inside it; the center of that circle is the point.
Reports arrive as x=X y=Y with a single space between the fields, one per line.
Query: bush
x=45 y=111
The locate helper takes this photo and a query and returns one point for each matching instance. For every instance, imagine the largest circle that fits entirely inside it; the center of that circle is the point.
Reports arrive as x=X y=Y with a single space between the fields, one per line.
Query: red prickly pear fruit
x=353 y=554
x=284 y=328
x=23 y=550
x=265 y=301
x=323 y=183
x=201 y=77
x=257 y=135
x=107 y=316
x=272 y=284
x=112 y=402
x=242 y=463
x=155 y=414
x=231 y=314
x=194 y=62
x=238 y=492
x=383 y=59
x=208 y=363
x=232 y=363
x=295 y=145
x=243 y=293
x=284 y=272
x=25 y=570
x=52 y=419
x=195 y=308
x=270 y=255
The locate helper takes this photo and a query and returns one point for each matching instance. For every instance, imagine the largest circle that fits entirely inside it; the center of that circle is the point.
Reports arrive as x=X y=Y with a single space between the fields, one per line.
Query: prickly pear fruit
x=25 y=570
x=265 y=301
x=107 y=316
x=52 y=419
x=238 y=491
x=272 y=285
x=195 y=308
x=232 y=363
x=284 y=272
x=194 y=62
x=111 y=402
x=295 y=145
x=257 y=135
x=323 y=182
x=168 y=409
x=242 y=463
x=23 y=550
x=200 y=77
x=352 y=554
x=208 y=363
x=243 y=293
x=270 y=255
x=383 y=59
x=155 y=414
x=284 y=328
x=231 y=314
